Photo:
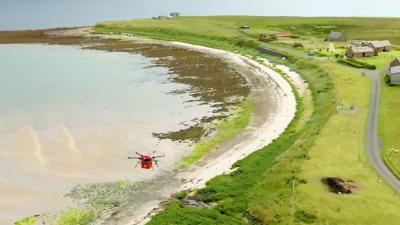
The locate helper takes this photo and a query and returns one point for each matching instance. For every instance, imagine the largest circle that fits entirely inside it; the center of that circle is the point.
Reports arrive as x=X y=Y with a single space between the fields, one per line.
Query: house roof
x=335 y=34
x=396 y=59
x=362 y=49
x=380 y=44
x=395 y=69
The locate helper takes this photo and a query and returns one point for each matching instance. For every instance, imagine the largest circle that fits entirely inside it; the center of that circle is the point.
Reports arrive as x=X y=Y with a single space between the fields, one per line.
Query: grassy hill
x=227 y=26
x=281 y=183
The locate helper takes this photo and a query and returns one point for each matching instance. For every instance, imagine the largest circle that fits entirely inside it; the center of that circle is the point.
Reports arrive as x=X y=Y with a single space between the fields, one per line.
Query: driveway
x=372 y=139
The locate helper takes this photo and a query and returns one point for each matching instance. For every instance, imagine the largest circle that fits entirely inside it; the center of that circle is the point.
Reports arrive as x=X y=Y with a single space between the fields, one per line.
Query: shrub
x=77 y=217
x=356 y=63
x=387 y=80
x=304 y=216
x=245 y=43
x=298 y=45
x=181 y=195
x=321 y=54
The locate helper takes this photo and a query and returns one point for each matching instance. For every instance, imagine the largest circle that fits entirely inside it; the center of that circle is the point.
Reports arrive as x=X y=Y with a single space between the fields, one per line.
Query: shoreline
x=220 y=162
x=260 y=133
x=176 y=152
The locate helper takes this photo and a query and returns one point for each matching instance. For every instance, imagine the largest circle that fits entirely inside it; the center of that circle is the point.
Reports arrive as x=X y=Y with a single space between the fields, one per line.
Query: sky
x=31 y=14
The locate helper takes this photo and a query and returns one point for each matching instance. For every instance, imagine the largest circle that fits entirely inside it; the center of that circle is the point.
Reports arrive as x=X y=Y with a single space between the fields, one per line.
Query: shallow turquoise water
x=70 y=116
x=48 y=85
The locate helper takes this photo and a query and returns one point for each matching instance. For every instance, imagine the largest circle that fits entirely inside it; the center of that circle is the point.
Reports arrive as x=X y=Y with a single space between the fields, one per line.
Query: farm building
x=381 y=46
x=357 y=52
x=395 y=62
x=336 y=36
x=175 y=14
x=394 y=74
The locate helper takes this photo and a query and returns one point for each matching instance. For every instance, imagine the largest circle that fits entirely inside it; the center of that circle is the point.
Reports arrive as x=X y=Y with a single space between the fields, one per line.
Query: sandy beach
x=262 y=131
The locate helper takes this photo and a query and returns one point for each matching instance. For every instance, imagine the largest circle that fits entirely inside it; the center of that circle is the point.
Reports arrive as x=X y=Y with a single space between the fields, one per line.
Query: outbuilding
x=336 y=36
x=358 y=52
x=394 y=74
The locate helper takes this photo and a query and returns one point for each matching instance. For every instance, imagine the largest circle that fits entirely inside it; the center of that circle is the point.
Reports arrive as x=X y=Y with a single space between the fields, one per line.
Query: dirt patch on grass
x=339 y=186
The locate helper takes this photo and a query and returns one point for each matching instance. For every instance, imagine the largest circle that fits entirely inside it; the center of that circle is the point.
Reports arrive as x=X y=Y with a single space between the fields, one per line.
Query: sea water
x=70 y=116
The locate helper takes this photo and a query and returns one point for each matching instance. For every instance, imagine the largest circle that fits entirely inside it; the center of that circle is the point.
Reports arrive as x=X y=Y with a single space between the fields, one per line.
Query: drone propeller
x=156 y=162
x=137 y=164
x=133 y=157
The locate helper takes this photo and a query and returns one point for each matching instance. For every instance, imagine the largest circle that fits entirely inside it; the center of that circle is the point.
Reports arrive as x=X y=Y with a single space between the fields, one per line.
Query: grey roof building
x=394 y=74
x=336 y=36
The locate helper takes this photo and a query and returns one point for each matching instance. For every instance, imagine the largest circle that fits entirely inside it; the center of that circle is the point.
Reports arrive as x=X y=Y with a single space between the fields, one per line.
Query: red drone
x=146 y=160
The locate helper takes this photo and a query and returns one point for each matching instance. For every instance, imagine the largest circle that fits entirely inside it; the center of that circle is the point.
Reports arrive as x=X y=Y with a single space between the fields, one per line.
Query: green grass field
x=280 y=183
x=228 y=26
x=339 y=152
x=311 y=32
x=383 y=59
x=389 y=123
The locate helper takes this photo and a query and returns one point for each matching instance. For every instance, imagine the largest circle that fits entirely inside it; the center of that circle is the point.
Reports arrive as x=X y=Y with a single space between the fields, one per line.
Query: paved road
x=372 y=140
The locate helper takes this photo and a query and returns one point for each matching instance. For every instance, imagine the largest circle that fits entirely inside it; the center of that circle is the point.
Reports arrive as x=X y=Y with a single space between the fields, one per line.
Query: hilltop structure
x=171 y=16
x=175 y=14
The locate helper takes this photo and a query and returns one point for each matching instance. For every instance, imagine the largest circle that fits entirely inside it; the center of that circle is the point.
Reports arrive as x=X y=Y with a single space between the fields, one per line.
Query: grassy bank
x=339 y=152
x=281 y=183
x=383 y=59
x=225 y=130
x=236 y=194
x=389 y=123
x=26 y=221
